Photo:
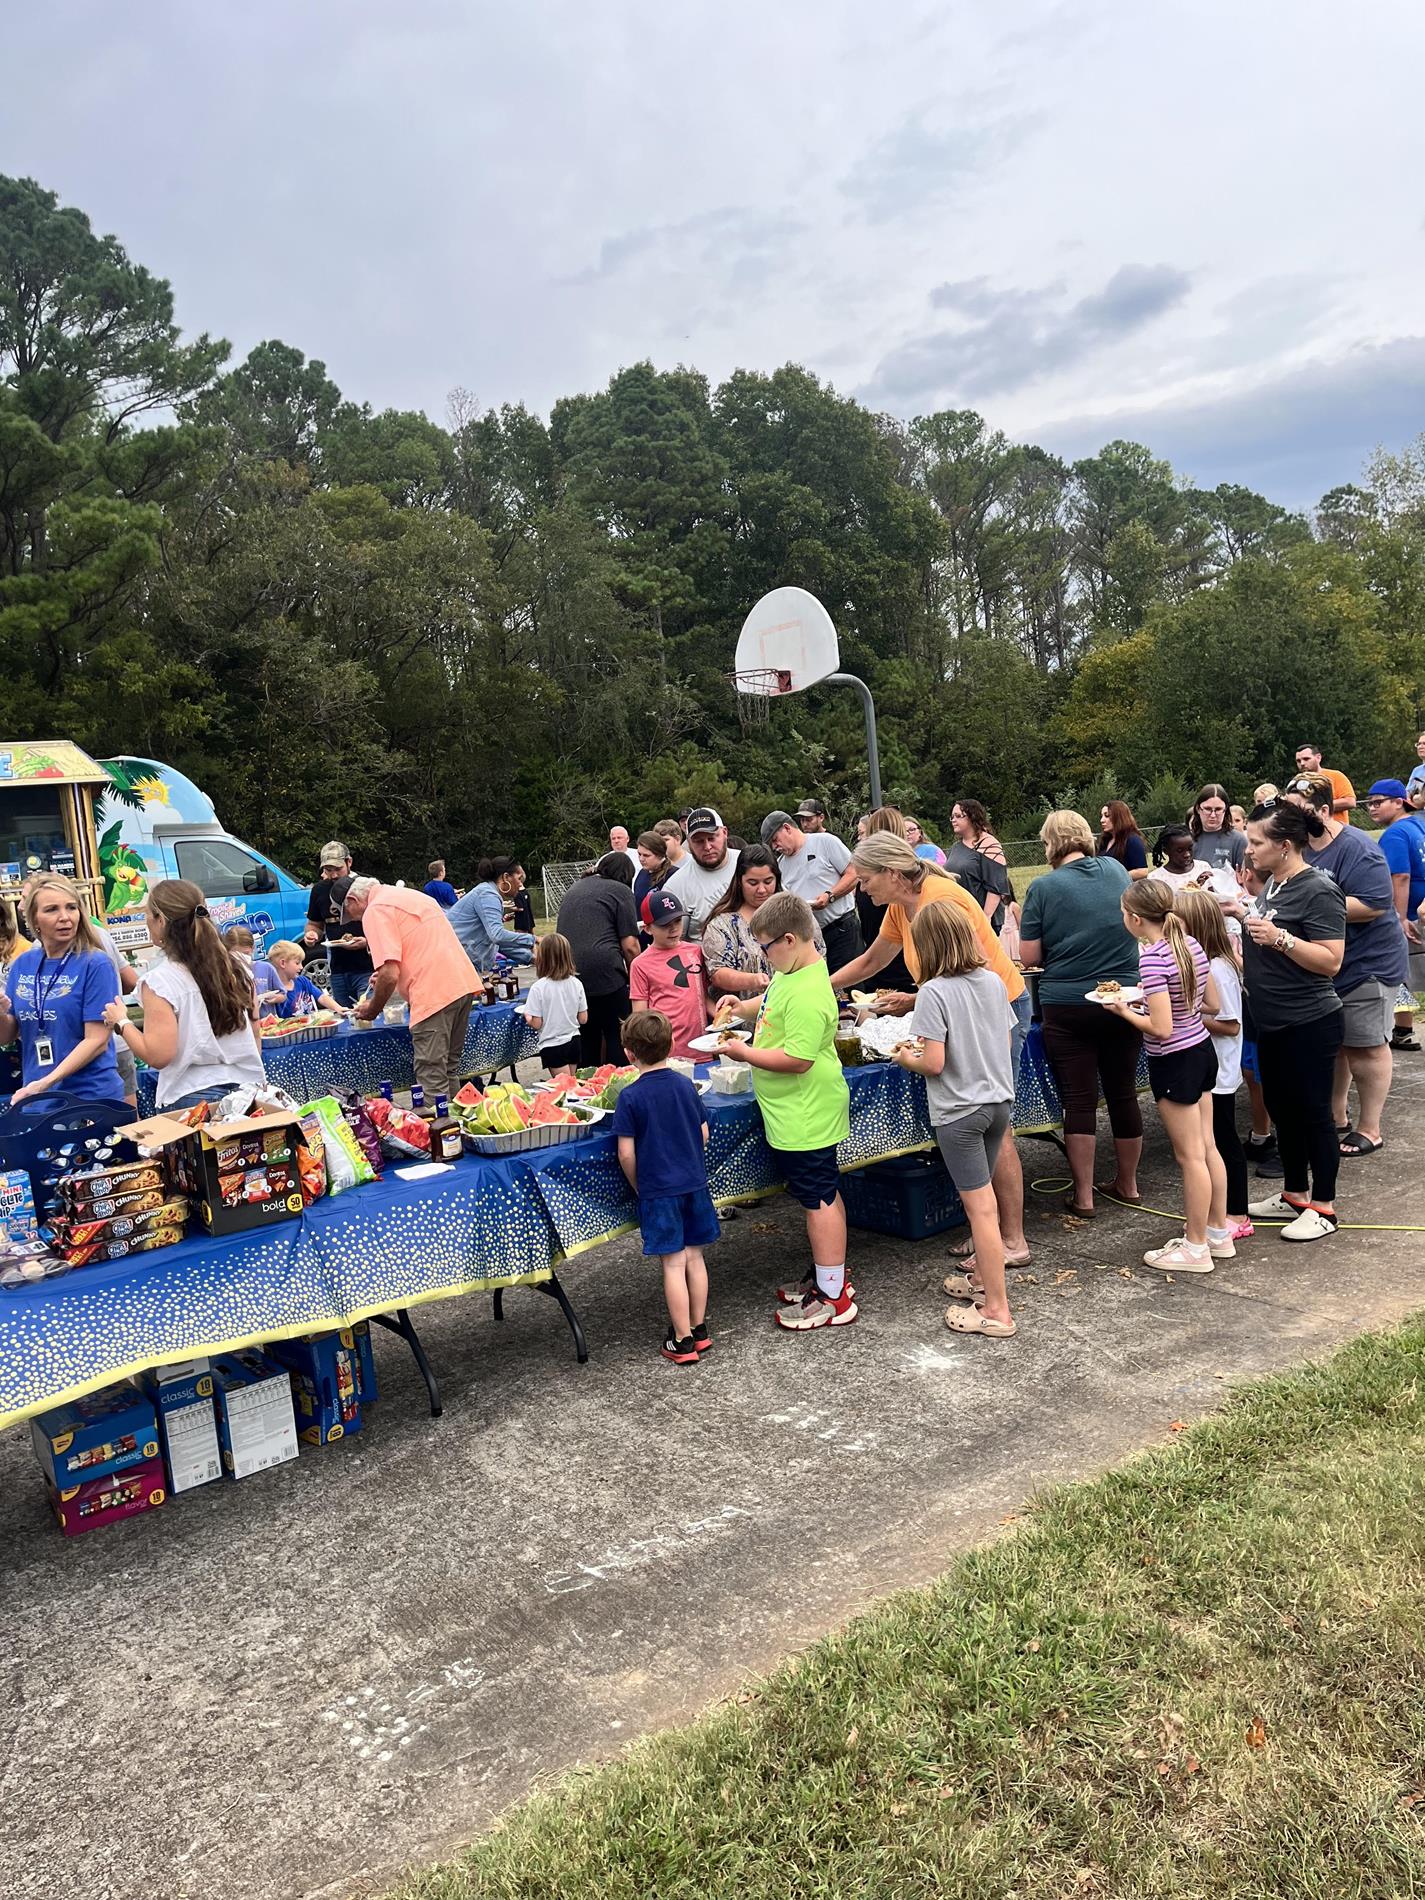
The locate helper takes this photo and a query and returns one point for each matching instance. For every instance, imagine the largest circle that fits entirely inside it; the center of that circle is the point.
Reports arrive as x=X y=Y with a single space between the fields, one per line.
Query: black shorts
x=811 y=1174
x=560 y=1055
x=1186 y=1075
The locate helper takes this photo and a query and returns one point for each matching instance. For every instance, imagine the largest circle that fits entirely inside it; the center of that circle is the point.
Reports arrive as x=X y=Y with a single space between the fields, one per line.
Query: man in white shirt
x=818 y=868
x=706 y=871
x=618 y=841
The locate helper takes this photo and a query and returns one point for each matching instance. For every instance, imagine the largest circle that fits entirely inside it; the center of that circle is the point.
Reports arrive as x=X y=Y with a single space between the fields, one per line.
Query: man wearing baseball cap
x=670 y=976
x=1402 y=841
x=706 y=871
x=347 y=955
x=817 y=867
x=811 y=816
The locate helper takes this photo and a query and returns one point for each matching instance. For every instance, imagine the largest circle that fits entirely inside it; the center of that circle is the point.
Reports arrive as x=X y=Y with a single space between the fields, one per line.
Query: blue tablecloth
x=589 y=1201
x=396 y=1243
x=391 y=1243
x=361 y=1059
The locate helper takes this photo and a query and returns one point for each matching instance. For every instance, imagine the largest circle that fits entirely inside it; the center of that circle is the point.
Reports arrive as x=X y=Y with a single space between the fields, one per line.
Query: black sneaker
x=1264 y=1153
x=682 y=1352
x=702 y=1338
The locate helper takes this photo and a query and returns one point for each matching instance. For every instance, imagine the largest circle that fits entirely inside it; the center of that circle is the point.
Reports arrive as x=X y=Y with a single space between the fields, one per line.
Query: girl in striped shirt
x=1182 y=1067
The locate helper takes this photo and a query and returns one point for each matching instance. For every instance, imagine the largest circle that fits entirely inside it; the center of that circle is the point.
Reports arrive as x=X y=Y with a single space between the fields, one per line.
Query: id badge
x=44 y=1052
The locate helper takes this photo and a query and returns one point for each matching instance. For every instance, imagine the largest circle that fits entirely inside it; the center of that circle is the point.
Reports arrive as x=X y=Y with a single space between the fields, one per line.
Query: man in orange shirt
x=891 y=874
x=1343 y=792
x=414 y=949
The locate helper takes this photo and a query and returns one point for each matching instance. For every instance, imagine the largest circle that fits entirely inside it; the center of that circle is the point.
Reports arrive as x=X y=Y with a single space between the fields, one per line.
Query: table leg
x=499 y=1299
x=555 y=1291
x=402 y=1325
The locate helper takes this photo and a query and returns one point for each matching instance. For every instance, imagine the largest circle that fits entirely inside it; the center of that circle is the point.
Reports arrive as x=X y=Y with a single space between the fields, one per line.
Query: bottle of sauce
x=446 y=1143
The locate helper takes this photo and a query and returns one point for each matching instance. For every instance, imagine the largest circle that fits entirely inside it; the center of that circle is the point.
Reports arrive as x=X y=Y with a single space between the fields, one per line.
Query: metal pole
x=868 y=706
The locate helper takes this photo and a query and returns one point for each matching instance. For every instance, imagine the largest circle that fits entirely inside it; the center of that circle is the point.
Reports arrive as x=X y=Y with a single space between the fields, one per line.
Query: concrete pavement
x=305 y=1683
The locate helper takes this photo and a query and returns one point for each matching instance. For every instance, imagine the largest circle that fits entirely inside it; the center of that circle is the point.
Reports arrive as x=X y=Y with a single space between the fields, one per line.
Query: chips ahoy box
x=326 y=1381
x=99 y=1501
x=95 y=1436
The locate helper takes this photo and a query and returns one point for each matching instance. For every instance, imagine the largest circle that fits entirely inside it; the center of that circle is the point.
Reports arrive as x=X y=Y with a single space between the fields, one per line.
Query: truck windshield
x=218 y=867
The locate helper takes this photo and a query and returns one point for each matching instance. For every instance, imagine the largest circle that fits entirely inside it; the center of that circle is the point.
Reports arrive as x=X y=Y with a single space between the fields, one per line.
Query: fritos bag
x=347 y=1167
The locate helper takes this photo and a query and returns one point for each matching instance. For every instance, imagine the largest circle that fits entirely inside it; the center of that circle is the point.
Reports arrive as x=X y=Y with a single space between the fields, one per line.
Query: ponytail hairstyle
x=1204 y=919
x=1165 y=837
x=1152 y=900
x=191 y=938
x=1285 y=823
x=491 y=870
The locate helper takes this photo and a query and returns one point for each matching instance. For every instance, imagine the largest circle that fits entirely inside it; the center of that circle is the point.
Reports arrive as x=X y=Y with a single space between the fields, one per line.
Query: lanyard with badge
x=44 y=1045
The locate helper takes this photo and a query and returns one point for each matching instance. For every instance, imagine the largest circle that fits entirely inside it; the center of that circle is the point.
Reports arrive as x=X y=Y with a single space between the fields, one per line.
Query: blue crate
x=911 y=1197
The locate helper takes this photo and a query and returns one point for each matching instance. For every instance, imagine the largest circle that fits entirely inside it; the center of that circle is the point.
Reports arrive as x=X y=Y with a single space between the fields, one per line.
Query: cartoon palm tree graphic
x=136 y=783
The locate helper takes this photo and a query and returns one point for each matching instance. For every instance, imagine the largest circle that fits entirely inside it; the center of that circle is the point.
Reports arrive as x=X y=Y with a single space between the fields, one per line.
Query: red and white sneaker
x=816 y=1311
x=794 y=1293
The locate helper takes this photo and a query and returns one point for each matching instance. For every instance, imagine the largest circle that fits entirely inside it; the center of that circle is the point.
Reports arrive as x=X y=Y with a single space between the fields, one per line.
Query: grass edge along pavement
x=1202 y=1674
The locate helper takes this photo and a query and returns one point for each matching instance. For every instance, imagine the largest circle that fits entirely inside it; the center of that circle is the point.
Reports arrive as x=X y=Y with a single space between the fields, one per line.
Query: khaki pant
x=439 y=1043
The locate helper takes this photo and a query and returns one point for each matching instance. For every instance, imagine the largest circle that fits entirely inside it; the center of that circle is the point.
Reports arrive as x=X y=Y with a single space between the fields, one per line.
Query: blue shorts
x=1249 y=1059
x=811 y=1174
x=671 y=1222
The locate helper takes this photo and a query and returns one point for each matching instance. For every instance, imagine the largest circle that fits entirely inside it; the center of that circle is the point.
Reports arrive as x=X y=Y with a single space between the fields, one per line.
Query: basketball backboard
x=787 y=643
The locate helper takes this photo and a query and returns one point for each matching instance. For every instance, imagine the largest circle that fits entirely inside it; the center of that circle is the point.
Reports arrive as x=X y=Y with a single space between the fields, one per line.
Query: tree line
x=505 y=632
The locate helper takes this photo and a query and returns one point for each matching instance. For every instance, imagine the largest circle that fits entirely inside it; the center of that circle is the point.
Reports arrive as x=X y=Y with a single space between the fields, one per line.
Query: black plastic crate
x=911 y=1197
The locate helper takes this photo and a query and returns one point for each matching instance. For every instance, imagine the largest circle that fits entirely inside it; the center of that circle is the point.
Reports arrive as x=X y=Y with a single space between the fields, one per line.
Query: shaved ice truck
x=119 y=825
x=151 y=823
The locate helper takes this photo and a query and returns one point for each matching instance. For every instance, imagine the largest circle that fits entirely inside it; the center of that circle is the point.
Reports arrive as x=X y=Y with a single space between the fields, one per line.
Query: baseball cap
x=333 y=853
x=661 y=907
x=703 y=818
x=773 y=823
x=1387 y=788
x=811 y=808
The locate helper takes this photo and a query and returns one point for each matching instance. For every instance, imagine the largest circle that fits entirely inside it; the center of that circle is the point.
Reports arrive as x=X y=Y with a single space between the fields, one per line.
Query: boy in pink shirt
x=671 y=977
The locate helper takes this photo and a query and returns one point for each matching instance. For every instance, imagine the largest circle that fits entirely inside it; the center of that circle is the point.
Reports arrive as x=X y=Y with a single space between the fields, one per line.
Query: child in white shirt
x=556 y=1007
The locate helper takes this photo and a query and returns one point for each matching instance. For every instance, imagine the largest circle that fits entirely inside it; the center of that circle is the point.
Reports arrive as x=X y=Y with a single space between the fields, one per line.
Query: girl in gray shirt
x=962 y=1025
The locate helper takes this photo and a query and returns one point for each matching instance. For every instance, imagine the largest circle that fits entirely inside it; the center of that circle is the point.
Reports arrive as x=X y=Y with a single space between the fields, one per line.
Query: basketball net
x=756 y=687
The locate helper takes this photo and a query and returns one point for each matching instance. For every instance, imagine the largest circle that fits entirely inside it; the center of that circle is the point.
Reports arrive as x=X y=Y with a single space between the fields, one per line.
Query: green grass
x=1072 y=1711
x=1021 y=876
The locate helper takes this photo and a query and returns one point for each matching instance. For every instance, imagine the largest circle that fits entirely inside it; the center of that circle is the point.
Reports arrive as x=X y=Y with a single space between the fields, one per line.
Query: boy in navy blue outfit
x=662 y=1133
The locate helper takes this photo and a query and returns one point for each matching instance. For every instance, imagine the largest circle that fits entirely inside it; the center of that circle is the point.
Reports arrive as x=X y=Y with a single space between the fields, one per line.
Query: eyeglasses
x=765 y=947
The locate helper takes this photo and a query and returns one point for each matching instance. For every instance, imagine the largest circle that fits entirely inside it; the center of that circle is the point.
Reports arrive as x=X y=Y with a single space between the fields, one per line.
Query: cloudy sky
x=1200 y=225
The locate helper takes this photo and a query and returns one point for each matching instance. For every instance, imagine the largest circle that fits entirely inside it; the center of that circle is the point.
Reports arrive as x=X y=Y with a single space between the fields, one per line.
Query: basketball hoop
x=756 y=687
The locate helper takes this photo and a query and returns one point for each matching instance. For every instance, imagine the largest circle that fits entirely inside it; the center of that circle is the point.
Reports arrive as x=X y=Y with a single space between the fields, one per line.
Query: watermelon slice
x=469 y=1096
x=547 y=1112
x=522 y=1108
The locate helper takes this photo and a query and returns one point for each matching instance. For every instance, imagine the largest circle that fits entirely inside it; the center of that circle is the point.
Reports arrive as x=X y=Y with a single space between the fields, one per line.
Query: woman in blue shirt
x=479 y=918
x=55 y=998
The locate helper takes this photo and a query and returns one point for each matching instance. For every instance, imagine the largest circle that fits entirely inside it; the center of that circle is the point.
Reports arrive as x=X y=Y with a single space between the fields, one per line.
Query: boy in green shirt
x=805 y=1103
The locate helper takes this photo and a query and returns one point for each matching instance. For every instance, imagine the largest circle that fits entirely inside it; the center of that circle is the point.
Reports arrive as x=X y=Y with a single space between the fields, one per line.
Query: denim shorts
x=671 y=1222
x=811 y=1174
x=1023 y=1016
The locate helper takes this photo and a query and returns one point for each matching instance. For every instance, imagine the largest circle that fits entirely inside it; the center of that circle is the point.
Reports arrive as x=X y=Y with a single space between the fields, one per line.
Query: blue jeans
x=349 y=986
x=1022 y=1018
x=194 y=1096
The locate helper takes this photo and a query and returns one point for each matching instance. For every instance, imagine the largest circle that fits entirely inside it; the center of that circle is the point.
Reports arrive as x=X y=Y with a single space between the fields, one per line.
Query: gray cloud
x=922 y=161
x=1292 y=436
x=1006 y=338
x=733 y=239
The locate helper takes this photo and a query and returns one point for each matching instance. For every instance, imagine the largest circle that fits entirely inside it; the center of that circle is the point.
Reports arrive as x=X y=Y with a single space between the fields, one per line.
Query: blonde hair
x=885 y=818
x=1204 y=920
x=945 y=941
x=784 y=915
x=1152 y=900
x=885 y=851
x=1066 y=831
x=284 y=947
x=1264 y=792
x=52 y=881
x=554 y=957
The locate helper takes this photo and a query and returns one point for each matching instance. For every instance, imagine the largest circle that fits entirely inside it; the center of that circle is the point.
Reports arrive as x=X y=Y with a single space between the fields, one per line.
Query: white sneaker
x=1222 y=1249
x=1175 y=1258
x=1274 y=1207
x=1309 y=1225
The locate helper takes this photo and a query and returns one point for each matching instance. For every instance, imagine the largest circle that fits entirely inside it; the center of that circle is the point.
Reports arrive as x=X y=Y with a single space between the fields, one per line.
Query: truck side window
x=214 y=865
